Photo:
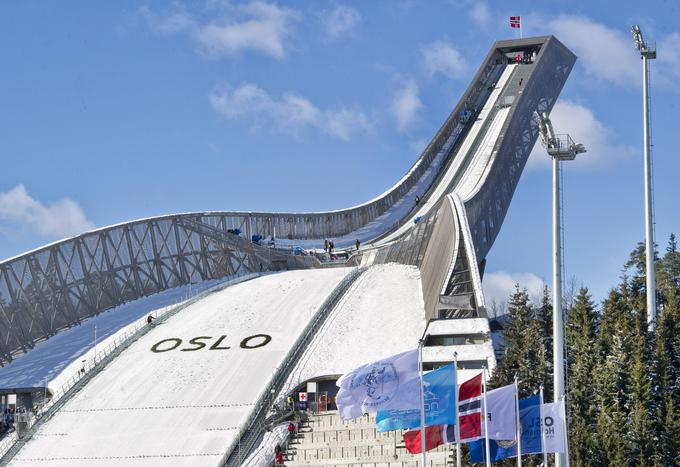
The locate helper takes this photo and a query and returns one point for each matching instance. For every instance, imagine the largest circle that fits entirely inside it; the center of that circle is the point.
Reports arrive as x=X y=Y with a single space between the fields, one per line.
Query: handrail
x=56 y=286
x=248 y=433
x=102 y=358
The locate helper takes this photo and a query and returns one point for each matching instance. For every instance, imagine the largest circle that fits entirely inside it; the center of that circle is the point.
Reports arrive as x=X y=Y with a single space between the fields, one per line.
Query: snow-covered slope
x=162 y=402
x=54 y=360
x=383 y=314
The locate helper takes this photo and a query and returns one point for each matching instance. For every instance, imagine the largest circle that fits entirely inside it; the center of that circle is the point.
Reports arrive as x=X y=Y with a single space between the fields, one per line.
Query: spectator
x=291 y=429
x=357 y=243
x=279 y=458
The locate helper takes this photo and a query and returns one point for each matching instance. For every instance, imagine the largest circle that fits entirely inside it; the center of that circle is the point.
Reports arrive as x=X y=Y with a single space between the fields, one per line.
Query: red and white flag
x=470 y=409
x=469 y=419
x=515 y=22
x=435 y=435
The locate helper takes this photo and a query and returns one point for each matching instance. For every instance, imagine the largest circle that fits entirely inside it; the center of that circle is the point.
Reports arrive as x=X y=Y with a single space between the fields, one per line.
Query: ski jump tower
x=464 y=180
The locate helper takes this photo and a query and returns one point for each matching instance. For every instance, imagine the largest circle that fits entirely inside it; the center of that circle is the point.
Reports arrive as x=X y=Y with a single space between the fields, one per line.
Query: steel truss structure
x=59 y=285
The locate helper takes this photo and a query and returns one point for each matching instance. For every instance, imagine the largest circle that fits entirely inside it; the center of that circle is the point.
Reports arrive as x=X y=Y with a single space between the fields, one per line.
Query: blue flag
x=530 y=419
x=440 y=406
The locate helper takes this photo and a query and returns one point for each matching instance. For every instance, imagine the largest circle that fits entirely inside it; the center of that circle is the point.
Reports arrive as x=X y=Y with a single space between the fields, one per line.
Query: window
x=461 y=339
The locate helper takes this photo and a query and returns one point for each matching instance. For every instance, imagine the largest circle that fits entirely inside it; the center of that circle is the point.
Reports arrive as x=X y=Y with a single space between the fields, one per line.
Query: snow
x=48 y=360
x=184 y=407
x=383 y=314
x=263 y=455
x=458 y=326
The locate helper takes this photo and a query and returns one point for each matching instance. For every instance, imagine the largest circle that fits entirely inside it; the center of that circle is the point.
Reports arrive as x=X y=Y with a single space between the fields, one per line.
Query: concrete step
x=337 y=436
x=433 y=460
x=363 y=452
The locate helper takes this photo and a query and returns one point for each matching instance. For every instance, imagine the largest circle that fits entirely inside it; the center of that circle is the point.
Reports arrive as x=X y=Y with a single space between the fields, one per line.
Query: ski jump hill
x=247 y=310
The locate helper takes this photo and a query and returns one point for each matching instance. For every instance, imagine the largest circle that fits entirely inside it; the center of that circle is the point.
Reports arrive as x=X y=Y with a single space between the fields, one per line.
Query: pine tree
x=525 y=354
x=667 y=383
x=613 y=379
x=640 y=435
x=581 y=338
x=544 y=315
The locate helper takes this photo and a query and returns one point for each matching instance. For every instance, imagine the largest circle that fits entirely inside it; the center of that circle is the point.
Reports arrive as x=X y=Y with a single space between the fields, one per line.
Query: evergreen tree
x=666 y=375
x=581 y=339
x=640 y=435
x=525 y=354
x=613 y=378
x=612 y=386
x=544 y=315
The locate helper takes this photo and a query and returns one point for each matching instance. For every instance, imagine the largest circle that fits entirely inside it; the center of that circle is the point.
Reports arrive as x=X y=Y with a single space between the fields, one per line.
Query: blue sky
x=118 y=110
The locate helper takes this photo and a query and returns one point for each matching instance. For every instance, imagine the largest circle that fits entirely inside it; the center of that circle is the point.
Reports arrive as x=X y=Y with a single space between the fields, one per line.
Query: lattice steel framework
x=59 y=285
x=486 y=209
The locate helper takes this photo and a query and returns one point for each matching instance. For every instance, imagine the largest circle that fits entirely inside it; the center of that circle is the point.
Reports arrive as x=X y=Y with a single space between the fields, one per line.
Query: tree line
x=622 y=380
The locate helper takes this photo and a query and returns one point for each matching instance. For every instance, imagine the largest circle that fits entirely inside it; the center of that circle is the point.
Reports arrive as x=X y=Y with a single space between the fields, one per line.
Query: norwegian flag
x=515 y=22
x=470 y=409
x=469 y=418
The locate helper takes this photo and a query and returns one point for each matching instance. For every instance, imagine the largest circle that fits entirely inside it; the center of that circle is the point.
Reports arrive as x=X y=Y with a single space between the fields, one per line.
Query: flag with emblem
x=389 y=384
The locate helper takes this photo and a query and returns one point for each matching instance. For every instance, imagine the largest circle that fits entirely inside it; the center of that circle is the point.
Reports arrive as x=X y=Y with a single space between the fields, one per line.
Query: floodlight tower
x=560 y=148
x=647 y=52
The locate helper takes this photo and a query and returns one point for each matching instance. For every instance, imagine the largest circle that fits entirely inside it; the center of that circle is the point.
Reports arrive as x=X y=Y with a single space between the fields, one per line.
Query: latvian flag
x=470 y=409
x=515 y=22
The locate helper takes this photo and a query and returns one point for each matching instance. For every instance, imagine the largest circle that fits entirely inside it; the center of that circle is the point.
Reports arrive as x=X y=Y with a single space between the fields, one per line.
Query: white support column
x=649 y=217
x=558 y=322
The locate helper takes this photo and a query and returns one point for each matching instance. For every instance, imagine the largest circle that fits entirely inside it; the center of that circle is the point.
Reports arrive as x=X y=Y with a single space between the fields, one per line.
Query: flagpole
x=541 y=425
x=457 y=427
x=520 y=26
x=421 y=342
x=486 y=424
x=566 y=430
x=518 y=424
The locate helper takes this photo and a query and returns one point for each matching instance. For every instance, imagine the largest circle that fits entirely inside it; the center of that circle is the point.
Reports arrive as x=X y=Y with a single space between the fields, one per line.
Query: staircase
x=326 y=440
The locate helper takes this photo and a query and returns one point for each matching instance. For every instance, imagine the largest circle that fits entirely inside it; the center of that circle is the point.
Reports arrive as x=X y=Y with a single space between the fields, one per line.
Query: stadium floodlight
x=647 y=52
x=559 y=148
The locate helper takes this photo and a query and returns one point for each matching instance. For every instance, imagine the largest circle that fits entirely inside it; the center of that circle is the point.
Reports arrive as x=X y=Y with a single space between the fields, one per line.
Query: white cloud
x=480 y=14
x=259 y=26
x=405 y=105
x=669 y=60
x=256 y=26
x=580 y=123
x=340 y=21
x=500 y=285
x=174 y=22
x=63 y=218
x=289 y=113
x=442 y=57
x=607 y=54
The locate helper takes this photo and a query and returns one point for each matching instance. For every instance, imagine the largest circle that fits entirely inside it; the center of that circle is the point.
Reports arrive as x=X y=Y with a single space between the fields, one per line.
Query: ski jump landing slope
x=169 y=403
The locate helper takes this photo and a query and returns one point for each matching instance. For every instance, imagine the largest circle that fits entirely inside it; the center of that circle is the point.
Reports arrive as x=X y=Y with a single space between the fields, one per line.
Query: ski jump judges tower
x=464 y=180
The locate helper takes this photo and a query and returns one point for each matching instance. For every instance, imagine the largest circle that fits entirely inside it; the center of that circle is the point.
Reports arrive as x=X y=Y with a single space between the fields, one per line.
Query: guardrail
x=101 y=359
x=250 y=431
x=57 y=286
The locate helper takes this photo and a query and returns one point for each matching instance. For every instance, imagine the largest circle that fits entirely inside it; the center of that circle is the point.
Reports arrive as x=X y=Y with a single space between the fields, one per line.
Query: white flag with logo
x=553 y=426
x=389 y=384
x=501 y=413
